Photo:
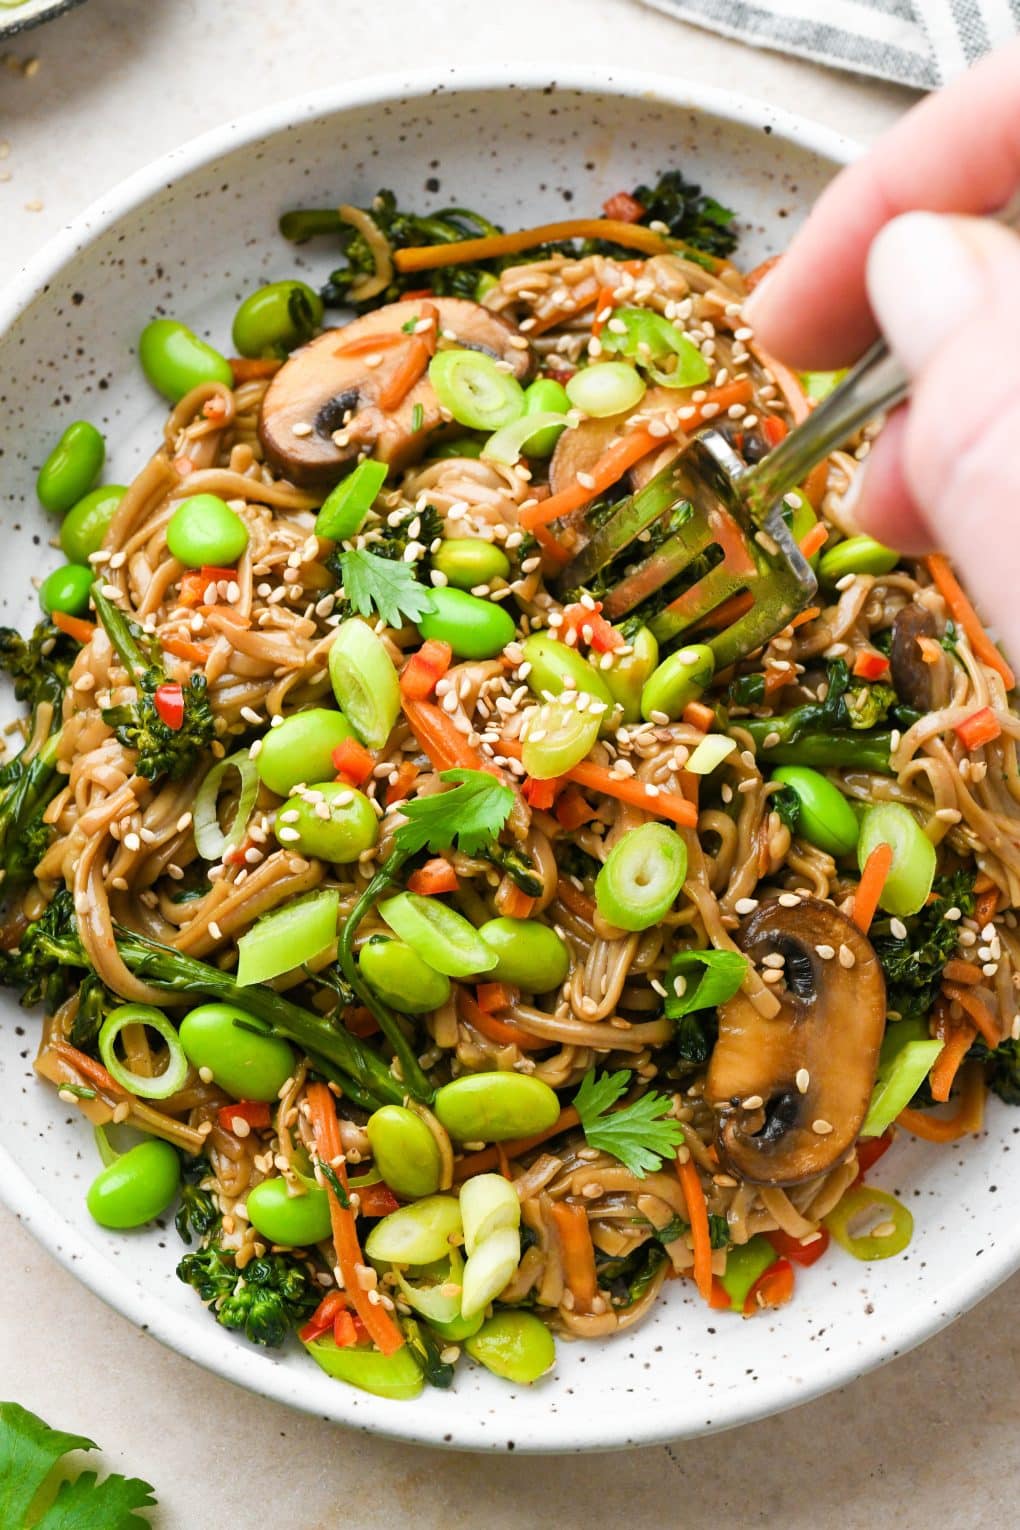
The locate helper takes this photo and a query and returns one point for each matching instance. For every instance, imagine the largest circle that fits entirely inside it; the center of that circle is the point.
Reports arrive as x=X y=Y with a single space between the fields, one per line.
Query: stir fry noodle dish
x=464 y=966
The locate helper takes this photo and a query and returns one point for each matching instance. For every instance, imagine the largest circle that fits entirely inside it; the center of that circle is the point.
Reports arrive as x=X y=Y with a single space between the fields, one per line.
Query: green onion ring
x=163 y=1084
x=210 y=841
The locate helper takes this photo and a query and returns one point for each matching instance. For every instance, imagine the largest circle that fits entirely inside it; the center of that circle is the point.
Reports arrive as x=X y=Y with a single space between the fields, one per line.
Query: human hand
x=889 y=245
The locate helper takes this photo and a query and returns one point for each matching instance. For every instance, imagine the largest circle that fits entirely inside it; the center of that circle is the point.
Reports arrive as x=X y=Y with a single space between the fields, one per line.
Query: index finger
x=959 y=151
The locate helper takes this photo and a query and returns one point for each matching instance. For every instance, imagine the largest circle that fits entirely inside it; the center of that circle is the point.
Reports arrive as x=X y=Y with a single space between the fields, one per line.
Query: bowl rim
x=534 y=1430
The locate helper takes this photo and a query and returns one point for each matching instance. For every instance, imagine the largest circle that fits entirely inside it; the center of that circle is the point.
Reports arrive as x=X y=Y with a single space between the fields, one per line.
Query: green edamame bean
x=528 y=954
x=276 y=318
x=204 y=530
x=66 y=589
x=85 y=525
x=857 y=555
x=301 y=748
x=350 y=828
x=175 y=360
x=405 y=1152
x=556 y=668
x=474 y=628
x=397 y=1376
x=457 y=1329
x=295 y=1220
x=400 y=976
x=136 y=1187
x=467 y=563
x=545 y=396
x=826 y=818
x=515 y=1345
x=246 y=1063
x=679 y=679
x=493 y=1107
x=626 y=675
x=72 y=467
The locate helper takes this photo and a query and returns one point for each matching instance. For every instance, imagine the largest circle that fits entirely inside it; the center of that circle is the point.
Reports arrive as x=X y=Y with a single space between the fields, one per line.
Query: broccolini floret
x=913 y=966
x=264 y=1301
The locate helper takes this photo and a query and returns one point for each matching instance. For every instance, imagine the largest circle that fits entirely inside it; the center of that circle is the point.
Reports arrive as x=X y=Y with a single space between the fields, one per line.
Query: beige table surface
x=930 y=1439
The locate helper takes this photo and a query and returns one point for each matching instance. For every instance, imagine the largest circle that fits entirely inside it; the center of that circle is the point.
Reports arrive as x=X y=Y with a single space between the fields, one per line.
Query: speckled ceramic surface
x=189 y=237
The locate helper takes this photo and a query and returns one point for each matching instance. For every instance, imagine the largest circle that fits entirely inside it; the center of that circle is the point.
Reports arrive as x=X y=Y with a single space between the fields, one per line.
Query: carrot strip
x=572 y=810
x=624 y=788
x=609 y=469
x=958 y=971
x=251 y=368
x=494 y=997
x=382 y=1330
x=445 y=746
x=460 y=252
x=89 y=1069
x=869 y=888
x=424 y=669
x=964 y=614
x=803 y=617
x=948 y=1062
x=978 y=1010
x=727 y=613
x=436 y=876
x=487 y=1158
x=398 y=790
x=505 y=1033
x=967 y=1119
x=697 y=1215
x=430 y=337
x=604 y=298
x=578 y=1253
x=512 y=901
x=815 y=539
x=409 y=369
x=986 y=905
x=364 y=345
x=194 y=653
x=81 y=631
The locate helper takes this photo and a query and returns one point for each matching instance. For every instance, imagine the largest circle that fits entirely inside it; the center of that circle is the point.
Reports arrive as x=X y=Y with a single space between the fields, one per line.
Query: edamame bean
x=528 y=954
x=246 y=1063
x=138 y=1186
x=679 y=679
x=295 y=1220
x=175 y=360
x=914 y=859
x=826 y=818
x=276 y=318
x=556 y=668
x=625 y=677
x=515 y=1345
x=405 y=1152
x=85 y=525
x=467 y=563
x=203 y=530
x=350 y=828
x=401 y=978
x=493 y=1107
x=474 y=628
x=545 y=396
x=857 y=555
x=72 y=467
x=301 y=749
x=66 y=589
x=417 y=1234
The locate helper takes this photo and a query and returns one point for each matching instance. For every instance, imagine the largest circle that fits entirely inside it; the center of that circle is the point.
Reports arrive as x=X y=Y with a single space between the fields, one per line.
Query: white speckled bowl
x=190 y=236
x=18 y=18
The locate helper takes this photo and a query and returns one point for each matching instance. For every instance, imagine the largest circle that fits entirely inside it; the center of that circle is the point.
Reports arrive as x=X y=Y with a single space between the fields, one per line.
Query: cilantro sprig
x=384 y=587
x=640 y=1134
x=30 y=1453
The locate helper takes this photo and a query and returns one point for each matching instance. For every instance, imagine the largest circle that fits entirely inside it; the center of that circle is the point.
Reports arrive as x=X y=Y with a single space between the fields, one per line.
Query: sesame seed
x=803 y=1079
x=847 y=958
x=823 y=1128
x=214 y=930
x=788 y=900
x=746 y=905
x=753 y=1102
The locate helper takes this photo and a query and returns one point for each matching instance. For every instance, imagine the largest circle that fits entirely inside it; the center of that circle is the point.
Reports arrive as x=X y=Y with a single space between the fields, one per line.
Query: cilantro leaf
x=381 y=585
x=638 y=1135
x=722 y=974
x=470 y=814
x=30 y=1451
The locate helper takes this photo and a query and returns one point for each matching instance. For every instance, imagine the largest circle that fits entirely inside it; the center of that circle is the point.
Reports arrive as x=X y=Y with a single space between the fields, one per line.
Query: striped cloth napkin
x=922 y=43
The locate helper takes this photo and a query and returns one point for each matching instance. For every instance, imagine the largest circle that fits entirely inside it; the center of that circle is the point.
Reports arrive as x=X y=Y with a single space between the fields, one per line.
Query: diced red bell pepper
x=541 y=794
x=255 y=1112
x=981 y=727
x=345 y=1333
x=424 y=669
x=573 y=809
x=801 y=1253
x=870 y=665
x=360 y=1021
x=436 y=876
x=773 y=1289
x=168 y=700
x=590 y=626
x=353 y=762
x=719 y=1298
x=774 y=429
x=196 y=582
x=869 y=1151
x=324 y=1316
x=376 y=1200
x=398 y=790
x=623 y=207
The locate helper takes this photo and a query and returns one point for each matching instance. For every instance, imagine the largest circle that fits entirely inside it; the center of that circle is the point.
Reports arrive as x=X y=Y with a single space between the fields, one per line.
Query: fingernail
x=844 y=511
x=753 y=302
x=926 y=274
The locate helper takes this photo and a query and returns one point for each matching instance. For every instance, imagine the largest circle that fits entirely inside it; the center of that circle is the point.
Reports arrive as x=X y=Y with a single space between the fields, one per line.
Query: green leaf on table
x=30 y=1452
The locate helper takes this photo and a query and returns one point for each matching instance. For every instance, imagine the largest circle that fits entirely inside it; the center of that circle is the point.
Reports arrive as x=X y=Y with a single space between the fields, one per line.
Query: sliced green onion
x=471 y=386
x=914 y=859
x=818 y=385
x=641 y=877
x=488 y=1202
x=719 y=976
x=441 y=936
x=161 y=1084
x=489 y=1269
x=398 y=1376
x=420 y=1233
x=364 y=682
x=649 y=338
x=746 y=1263
x=212 y=842
x=870 y=1224
x=710 y=753
x=608 y=387
x=556 y=738
x=907 y=1056
x=288 y=937
x=344 y=509
x=507 y=445
x=434 y=1299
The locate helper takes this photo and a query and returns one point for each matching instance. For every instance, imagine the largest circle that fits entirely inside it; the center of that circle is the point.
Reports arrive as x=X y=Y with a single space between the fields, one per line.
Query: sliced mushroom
x=920 y=684
x=330 y=387
x=813 y=1066
x=577 y=451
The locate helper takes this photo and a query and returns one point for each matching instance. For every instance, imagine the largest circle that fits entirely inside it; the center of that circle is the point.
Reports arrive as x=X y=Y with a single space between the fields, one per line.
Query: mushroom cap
x=322 y=383
x=921 y=685
x=829 y=1026
x=577 y=451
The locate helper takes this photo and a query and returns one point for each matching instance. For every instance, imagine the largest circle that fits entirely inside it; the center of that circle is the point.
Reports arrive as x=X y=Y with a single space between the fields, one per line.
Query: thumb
x=946 y=292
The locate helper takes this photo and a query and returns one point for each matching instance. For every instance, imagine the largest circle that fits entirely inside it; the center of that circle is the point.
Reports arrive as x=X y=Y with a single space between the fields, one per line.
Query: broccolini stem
x=118 y=629
x=849 y=751
x=31 y=792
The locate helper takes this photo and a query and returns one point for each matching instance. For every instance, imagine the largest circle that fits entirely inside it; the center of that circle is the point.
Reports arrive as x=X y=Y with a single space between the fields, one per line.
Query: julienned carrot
x=815 y=539
x=436 y=876
x=92 y=1071
x=81 y=631
x=430 y=337
x=977 y=1010
x=503 y=1032
x=803 y=617
x=493 y=998
x=194 y=653
x=948 y=1062
x=363 y=345
x=487 y=1158
x=572 y=810
x=986 y=905
x=605 y=299
x=398 y=790
x=251 y=368
x=382 y=1330
x=958 y=971
x=409 y=369
x=634 y=236
x=869 y=888
x=963 y=613
x=624 y=788
x=609 y=469
x=697 y=1215
x=968 y=1118
x=444 y=744
x=578 y=1253
x=727 y=613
